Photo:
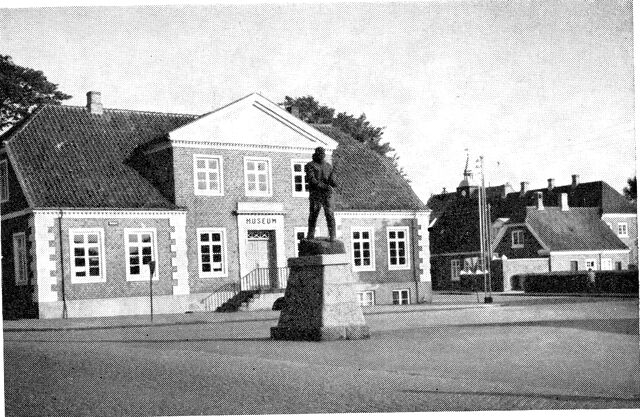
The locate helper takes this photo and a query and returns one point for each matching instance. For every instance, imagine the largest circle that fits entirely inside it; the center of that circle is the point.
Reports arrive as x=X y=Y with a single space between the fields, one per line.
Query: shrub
x=625 y=282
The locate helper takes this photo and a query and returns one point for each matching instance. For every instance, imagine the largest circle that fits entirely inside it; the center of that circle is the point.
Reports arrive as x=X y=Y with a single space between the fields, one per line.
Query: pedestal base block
x=320 y=302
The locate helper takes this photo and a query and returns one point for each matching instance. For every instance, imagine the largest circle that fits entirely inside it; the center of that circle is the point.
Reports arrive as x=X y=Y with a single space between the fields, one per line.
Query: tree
x=22 y=89
x=631 y=191
x=359 y=128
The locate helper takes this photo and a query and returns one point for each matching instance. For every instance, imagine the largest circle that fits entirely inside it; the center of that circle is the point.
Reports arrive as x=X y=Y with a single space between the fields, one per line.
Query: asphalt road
x=524 y=354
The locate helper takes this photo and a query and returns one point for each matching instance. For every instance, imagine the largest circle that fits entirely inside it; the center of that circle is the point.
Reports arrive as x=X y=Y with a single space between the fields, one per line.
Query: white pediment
x=253 y=121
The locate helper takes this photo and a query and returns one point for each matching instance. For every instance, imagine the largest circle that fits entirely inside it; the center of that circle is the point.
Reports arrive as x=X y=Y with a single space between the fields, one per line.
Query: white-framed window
x=573 y=265
x=363 y=251
x=87 y=255
x=299 y=184
x=590 y=264
x=257 y=176
x=606 y=264
x=398 y=247
x=20 y=258
x=140 y=249
x=517 y=239
x=299 y=233
x=400 y=296
x=212 y=252
x=208 y=176
x=455 y=270
x=367 y=298
x=4 y=181
x=623 y=230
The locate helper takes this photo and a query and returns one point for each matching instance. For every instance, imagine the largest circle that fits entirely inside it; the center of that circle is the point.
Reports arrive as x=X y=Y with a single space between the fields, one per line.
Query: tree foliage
x=22 y=89
x=631 y=191
x=359 y=128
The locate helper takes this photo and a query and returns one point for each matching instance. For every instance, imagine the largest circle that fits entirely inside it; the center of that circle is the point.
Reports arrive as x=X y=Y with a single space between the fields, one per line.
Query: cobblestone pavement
x=562 y=354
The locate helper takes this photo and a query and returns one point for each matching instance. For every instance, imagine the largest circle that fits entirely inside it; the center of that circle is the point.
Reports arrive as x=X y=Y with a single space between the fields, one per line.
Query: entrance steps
x=252 y=300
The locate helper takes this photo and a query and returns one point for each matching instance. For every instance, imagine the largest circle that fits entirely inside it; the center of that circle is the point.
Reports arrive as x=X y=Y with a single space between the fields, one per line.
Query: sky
x=540 y=89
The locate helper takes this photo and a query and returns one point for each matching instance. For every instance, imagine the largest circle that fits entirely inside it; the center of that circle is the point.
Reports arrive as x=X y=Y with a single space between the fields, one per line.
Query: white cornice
x=400 y=214
x=618 y=215
x=111 y=214
x=232 y=146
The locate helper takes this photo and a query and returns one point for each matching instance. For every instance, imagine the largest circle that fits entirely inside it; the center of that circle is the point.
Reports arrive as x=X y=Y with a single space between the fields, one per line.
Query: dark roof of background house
x=577 y=229
x=367 y=180
x=77 y=159
x=588 y=194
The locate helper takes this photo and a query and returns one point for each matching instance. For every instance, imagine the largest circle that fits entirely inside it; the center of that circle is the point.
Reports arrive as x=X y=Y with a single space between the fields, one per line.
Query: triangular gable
x=254 y=121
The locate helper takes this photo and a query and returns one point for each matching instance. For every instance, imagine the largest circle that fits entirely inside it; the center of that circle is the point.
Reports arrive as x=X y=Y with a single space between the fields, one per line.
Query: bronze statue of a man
x=319 y=176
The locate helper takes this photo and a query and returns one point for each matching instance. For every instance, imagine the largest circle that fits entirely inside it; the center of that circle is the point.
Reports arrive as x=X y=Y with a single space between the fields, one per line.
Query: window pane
x=134 y=270
x=213 y=164
x=146 y=250
x=80 y=262
x=146 y=238
x=205 y=248
x=78 y=252
x=206 y=267
x=94 y=272
x=134 y=260
x=356 y=235
x=365 y=235
x=133 y=238
x=202 y=185
x=216 y=237
x=400 y=235
x=392 y=235
x=297 y=167
x=133 y=250
x=201 y=176
x=251 y=166
x=204 y=237
x=92 y=238
x=263 y=187
x=262 y=166
x=206 y=258
x=78 y=239
x=146 y=259
x=94 y=262
x=200 y=163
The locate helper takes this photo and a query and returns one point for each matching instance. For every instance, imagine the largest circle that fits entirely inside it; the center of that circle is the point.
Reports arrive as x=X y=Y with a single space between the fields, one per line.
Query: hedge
x=620 y=282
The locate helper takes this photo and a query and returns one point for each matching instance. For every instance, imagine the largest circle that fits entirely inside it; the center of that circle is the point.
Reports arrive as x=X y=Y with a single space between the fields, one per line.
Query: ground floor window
x=573 y=265
x=212 y=248
x=590 y=264
x=618 y=266
x=366 y=298
x=400 y=296
x=87 y=249
x=140 y=247
x=20 y=258
x=606 y=264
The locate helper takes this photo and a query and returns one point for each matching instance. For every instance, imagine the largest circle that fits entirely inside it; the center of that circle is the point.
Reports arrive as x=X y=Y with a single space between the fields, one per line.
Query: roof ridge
x=127 y=110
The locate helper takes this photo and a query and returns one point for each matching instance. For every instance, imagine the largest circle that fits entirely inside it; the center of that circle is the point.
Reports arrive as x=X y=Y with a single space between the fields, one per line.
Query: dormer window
x=517 y=239
x=207 y=175
x=257 y=177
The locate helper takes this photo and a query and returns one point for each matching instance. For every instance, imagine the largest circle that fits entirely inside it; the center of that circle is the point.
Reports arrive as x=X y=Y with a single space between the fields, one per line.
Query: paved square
x=521 y=353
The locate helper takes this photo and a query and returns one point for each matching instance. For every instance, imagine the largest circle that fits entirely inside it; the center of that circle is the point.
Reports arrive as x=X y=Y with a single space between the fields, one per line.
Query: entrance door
x=261 y=258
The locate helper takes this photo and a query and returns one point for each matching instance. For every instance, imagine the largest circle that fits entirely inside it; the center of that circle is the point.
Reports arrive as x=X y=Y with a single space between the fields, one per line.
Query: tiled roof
x=576 y=229
x=71 y=158
x=589 y=194
x=367 y=180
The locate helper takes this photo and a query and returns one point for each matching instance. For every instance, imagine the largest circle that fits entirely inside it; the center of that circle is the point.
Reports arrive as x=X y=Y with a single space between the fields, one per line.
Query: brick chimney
x=524 y=187
x=575 y=180
x=551 y=184
x=94 y=104
x=539 y=200
x=563 y=202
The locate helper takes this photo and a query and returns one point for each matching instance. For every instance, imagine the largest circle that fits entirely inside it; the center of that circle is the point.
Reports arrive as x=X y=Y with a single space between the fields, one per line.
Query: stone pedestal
x=320 y=300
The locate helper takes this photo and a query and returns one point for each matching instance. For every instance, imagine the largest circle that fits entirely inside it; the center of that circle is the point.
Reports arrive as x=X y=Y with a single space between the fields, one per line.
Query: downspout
x=414 y=238
x=64 y=298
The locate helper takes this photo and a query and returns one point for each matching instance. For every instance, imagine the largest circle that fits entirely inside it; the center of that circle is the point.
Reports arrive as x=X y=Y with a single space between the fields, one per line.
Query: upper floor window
x=20 y=258
x=362 y=249
x=87 y=255
x=257 y=176
x=397 y=238
x=207 y=175
x=299 y=185
x=455 y=270
x=4 y=181
x=517 y=239
x=140 y=249
x=212 y=252
x=622 y=230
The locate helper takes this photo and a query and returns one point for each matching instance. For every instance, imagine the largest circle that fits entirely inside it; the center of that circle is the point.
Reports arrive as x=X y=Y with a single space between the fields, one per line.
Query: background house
x=92 y=195
x=555 y=228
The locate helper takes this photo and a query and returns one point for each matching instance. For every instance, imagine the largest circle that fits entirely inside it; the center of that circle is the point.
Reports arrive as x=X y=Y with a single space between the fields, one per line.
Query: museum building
x=100 y=204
